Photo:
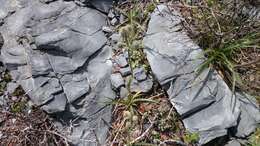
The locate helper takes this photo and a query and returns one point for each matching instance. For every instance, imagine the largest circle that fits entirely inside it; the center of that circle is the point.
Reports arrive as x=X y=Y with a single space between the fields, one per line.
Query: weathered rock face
x=56 y=50
x=204 y=100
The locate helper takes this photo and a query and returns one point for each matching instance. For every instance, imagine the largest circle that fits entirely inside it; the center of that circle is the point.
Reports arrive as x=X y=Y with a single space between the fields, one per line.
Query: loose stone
x=139 y=74
x=117 y=81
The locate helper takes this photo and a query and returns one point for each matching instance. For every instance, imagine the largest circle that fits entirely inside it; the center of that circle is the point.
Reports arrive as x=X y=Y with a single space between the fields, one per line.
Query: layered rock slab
x=57 y=52
x=204 y=101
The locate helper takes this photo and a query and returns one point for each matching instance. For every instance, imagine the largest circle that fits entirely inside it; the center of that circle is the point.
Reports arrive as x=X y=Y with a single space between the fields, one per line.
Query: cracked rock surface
x=204 y=101
x=57 y=51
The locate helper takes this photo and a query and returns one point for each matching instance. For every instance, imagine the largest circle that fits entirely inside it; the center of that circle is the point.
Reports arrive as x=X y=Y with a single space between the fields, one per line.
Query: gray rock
x=204 y=101
x=2 y=100
x=13 y=56
x=57 y=104
x=121 y=19
x=172 y=142
x=139 y=74
x=44 y=89
x=107 y=29
x=1 y=41
x=123 y=92
x=56 y=51
x=249 y=116
x=1 y=120
x=115 y=38
x=14 y=98
x=102 y=5
x=1 y=134
x=46 y=1
x=111 y=14
x=121 y=60
x=2 y=70
x=94 y=129
x=233 y=143
x=114 y=21
x=144 y=86
x=75 y=86
x=40 y=64
x=125 y=71
x=11 y=87
x=126 y=55
x=117 y=81
x=6 y=7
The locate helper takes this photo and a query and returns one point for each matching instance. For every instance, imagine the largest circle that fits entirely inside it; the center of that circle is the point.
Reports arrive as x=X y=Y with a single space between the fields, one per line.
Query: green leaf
x=144 y=100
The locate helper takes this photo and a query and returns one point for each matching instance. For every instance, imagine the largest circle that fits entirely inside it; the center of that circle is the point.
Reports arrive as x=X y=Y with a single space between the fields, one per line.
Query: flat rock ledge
x=56 y=50
x=204 y=101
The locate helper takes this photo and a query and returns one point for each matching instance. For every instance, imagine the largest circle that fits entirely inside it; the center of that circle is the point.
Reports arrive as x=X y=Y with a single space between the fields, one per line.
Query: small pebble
x=1 y=134
x=139 y=74
x=115 y=38
x=121 y=19
x=2 y=100
x=123 y=92
x=114 y=21
x=14 y=98
x=121 y=60
x=111 y=14
x=144 y=86
x=13 y=120
x=126 y=54
x=233 y=143
x=107 y=29
x=125 y=71
x=117 y=81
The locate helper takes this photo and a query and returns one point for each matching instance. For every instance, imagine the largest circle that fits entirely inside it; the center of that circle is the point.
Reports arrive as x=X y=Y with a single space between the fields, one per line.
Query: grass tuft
x=223 y=29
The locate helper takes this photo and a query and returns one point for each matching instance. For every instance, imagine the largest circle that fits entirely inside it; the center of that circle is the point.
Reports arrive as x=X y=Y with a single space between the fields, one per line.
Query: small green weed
x=18 y=107
x=222 y=57
x=255 y=138
x=191 y=138
x=133 y=30
x=132 y=101
x=221 y=29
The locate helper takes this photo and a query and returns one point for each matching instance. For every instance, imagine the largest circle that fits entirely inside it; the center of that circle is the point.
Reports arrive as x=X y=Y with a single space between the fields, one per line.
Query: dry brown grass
x=34 y=129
